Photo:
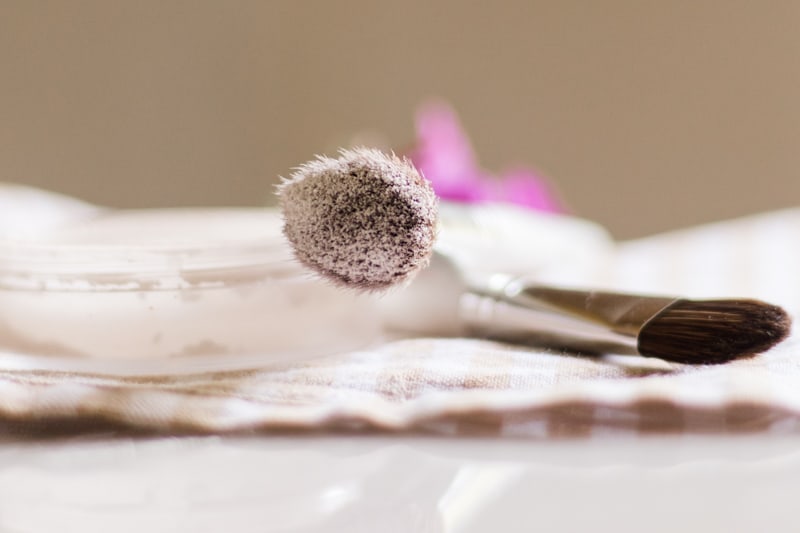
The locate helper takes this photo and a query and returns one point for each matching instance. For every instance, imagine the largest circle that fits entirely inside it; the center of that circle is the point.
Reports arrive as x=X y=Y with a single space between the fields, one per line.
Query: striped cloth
x=467 y=386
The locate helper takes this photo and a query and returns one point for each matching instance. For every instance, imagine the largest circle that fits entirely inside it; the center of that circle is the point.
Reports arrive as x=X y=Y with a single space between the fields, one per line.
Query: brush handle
x=623 y=313
x=588 y=321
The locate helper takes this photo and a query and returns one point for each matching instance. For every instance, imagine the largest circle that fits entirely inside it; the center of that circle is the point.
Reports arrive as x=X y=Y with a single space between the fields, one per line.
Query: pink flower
x=444 y=155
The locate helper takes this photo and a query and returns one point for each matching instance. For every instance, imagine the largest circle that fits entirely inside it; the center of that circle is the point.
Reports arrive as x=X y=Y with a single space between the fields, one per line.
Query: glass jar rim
x=80 y=266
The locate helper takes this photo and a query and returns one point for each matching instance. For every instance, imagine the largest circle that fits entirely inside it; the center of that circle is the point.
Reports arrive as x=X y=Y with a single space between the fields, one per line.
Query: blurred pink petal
x=443 y=153
x=523 y=187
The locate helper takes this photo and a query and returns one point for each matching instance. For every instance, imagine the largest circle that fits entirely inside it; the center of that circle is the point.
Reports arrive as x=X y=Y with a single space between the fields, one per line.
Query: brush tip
x=366 y=220
x=713 y=331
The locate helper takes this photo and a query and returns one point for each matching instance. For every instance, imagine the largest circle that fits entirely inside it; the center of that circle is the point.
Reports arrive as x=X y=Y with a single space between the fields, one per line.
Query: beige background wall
x=649 y=115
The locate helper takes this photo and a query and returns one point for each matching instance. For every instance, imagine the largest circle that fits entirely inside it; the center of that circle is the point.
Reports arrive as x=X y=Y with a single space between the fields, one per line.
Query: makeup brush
x=442 y=301
x=367 y=221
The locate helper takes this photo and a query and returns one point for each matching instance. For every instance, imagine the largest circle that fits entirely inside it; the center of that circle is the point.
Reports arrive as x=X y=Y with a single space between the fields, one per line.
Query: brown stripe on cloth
x=457 y=386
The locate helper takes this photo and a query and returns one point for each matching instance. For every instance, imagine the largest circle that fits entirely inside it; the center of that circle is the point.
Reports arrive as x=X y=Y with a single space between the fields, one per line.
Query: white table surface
x=392 y=483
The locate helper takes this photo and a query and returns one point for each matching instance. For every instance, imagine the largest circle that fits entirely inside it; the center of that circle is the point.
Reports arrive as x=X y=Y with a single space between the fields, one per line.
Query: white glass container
x=169 y=283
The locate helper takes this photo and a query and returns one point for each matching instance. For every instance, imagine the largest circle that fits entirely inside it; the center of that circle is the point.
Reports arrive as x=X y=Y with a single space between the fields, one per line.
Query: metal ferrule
x=516 y=310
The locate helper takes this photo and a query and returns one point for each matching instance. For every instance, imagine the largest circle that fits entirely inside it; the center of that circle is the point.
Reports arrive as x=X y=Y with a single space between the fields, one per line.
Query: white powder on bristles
x=366 y=220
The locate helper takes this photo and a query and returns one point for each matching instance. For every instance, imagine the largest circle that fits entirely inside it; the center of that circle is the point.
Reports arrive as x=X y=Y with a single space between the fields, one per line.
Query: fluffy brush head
x=713 y=331
x=366 y=220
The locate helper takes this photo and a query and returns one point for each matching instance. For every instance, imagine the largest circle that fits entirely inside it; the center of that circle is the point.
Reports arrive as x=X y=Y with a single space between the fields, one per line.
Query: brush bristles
x=714 y=331
x=364 y=221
